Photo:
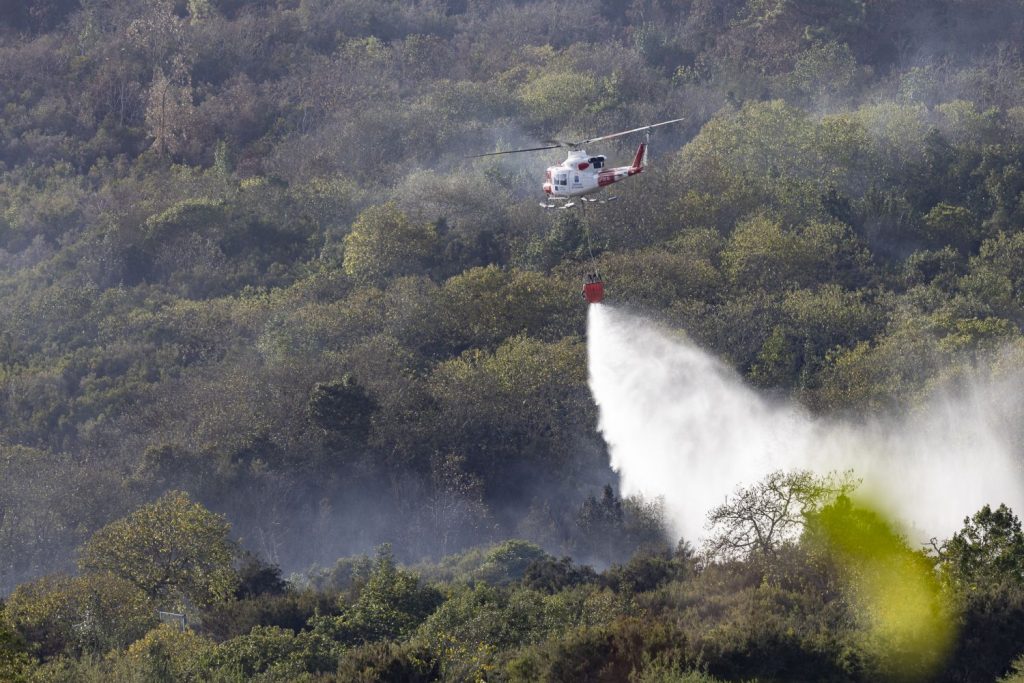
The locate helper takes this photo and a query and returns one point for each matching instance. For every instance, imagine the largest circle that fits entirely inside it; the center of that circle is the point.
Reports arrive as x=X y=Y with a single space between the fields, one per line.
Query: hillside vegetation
x=256 y=305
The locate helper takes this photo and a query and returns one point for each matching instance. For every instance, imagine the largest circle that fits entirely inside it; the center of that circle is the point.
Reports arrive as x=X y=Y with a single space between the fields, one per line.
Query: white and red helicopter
x=581 y=174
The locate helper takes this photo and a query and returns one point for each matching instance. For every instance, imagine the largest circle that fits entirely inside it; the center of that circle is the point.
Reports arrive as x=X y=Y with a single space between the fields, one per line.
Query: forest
x=290 y=389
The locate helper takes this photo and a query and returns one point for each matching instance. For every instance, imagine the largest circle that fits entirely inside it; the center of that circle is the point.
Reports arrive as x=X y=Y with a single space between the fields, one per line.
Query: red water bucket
x=593 y=292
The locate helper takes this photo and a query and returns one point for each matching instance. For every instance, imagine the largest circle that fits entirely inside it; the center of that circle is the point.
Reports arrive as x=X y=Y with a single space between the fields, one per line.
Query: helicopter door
x=561 y=182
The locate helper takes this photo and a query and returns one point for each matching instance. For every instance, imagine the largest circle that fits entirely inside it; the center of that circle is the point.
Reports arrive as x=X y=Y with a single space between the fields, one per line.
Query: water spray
x=683 y=426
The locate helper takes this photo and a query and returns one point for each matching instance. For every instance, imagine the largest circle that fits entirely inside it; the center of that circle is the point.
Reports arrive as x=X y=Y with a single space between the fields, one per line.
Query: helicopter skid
x=550 y=204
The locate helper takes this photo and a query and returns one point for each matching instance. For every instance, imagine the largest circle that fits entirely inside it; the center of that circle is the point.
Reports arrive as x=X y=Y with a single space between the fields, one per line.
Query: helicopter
x=580 y=174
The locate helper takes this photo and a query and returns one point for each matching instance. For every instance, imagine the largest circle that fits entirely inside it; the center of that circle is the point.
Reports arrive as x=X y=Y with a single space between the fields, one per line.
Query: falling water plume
x=683 y=426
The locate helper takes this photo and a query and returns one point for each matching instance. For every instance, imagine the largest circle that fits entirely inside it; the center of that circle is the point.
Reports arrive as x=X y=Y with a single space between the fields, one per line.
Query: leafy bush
x=390 y=605
x=388 y=662
x=90 y=614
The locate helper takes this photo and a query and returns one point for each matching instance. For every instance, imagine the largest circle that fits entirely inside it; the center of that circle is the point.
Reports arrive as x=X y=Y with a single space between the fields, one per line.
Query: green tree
x=384 y=244
x=475 y=624
x=519 y=405
x=995 y=276
x=1016 y=674
x=987 y=552
x=198 y=215
x=15 y=662
x=823 y=71
x=342 y=407
x=886 y=373
x=167 y=655
x=552 y=576
x=172 y=549
x=389 y=661
x=764 y=155
x=508 y=562
x=763 y=254
x=983 y=564
x=281 y=654
x=658 y=278
x=947 y=224
x=553 y=96
x=818 y=321
x=613 y=528
x=484 y=307
x=90 y=614
x=391 y=604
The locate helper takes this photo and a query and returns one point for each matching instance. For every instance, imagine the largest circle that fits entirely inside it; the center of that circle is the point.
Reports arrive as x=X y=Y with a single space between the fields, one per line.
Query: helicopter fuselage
x=581 y=174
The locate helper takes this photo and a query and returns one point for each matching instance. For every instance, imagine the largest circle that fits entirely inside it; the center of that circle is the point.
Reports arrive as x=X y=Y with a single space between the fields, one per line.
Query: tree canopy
x=171 y=549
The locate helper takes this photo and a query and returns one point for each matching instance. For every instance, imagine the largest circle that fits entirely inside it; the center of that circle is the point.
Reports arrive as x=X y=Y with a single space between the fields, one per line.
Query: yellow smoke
x=907 y=624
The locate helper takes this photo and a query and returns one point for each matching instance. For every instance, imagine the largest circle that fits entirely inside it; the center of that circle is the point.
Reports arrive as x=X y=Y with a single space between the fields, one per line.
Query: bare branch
x=762 y=517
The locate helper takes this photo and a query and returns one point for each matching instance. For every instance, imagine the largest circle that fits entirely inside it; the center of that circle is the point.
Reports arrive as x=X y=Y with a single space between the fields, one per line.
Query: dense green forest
x=259 y=313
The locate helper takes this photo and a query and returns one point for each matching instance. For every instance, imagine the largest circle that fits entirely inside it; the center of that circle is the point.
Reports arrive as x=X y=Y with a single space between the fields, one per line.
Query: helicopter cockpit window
x=562 y=179
x=597 y=162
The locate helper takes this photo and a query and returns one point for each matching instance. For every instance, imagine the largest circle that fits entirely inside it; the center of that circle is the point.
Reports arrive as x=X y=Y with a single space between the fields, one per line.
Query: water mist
x=681 y=425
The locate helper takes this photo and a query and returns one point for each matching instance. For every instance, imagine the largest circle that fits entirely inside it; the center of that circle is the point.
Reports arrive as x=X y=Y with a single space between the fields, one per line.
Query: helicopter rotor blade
x=515 y=151
x=627 y=132
x=563 y=143
x=555 y=144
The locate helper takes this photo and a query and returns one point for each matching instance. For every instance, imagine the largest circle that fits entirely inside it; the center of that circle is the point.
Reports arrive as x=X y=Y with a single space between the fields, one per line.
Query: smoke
x=682 y=426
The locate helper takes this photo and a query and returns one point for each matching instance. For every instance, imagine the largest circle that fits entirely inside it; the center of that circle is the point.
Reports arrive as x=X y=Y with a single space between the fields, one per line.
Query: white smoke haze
x=683 y=426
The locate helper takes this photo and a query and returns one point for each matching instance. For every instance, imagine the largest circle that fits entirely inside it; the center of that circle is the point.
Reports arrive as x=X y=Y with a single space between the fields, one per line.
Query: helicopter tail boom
x=639 y=159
